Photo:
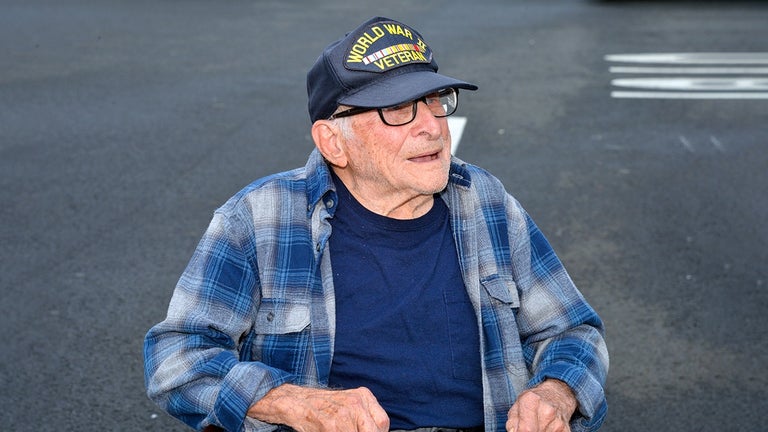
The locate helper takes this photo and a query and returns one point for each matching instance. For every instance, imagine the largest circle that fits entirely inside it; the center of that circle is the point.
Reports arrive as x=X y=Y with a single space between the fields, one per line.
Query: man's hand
x=318 y=410
x=548 y=407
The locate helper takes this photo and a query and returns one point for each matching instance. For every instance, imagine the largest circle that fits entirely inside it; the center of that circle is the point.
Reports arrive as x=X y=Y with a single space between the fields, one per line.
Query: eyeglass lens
x=441 y=104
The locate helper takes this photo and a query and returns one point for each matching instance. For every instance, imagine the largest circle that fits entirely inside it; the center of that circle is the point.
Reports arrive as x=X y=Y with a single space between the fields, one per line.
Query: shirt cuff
x=244 y=385
x=592 y=406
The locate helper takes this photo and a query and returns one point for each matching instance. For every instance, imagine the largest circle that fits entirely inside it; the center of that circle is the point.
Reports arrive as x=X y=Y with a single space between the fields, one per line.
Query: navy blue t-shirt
x=405 y=327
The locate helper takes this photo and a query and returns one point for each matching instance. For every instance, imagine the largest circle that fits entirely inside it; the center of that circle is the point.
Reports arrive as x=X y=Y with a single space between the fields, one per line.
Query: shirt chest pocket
x=282 y=333
x=502 y=335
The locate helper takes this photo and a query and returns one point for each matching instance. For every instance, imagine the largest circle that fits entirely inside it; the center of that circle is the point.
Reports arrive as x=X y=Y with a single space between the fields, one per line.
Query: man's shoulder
x=294 y=179
x=273 y=185
x=275 y=194
x=482 y=189
x=473 y=176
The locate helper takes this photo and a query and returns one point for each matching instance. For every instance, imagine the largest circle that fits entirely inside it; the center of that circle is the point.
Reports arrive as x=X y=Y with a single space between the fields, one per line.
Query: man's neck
x=392 y=205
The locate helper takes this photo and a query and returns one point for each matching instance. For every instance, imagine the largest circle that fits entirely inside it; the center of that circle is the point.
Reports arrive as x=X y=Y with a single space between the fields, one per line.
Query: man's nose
x=426 y=121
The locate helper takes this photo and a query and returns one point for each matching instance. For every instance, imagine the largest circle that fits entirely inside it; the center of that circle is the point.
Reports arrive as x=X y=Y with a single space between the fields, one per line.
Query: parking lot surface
x=633 y=132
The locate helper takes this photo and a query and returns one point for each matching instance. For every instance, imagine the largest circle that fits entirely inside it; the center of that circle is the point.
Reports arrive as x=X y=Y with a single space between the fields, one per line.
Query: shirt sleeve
x=561 y=334
x=193 y=366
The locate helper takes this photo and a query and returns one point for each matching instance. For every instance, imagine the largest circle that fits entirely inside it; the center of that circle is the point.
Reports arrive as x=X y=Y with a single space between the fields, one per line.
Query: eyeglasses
x=441 y=103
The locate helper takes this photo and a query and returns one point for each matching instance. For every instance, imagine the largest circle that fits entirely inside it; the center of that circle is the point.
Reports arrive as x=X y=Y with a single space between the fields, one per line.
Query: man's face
x=400 y=162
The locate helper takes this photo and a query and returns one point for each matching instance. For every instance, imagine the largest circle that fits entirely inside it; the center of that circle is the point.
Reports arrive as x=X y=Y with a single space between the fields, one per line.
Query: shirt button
x=270 y=317
x=329 y=204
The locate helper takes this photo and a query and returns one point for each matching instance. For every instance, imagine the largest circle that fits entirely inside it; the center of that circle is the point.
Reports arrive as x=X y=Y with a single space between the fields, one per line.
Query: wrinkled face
x=404 y=162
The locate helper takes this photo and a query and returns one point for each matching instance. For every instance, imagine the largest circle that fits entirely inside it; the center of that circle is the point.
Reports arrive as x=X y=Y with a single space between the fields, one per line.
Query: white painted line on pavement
x=691 y=58
x=687 y=95
x=725 y=80
x=688 y=70
x=456 y=126
x=706 y=84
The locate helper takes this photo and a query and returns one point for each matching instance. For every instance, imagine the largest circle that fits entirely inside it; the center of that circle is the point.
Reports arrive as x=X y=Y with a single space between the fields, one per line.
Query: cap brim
x=402 y=88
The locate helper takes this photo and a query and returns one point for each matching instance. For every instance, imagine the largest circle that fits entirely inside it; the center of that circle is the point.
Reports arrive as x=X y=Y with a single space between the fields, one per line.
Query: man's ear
x=330 y=141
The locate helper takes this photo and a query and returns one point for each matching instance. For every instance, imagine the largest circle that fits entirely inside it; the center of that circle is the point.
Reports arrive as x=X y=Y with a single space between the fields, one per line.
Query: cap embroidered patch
x=383 y=46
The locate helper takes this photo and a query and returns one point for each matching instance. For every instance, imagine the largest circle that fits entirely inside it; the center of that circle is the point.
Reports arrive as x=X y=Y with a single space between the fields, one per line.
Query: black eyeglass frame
x=359 y=110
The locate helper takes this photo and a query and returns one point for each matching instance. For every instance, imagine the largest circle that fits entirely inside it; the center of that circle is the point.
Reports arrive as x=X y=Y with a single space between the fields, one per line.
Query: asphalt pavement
x=123 y=125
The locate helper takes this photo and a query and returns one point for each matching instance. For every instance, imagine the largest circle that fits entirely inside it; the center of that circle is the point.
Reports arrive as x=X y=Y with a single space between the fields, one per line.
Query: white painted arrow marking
x=456 y=126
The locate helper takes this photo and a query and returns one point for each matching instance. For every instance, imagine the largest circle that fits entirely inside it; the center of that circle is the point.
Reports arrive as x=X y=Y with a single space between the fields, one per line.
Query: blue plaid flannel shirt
x=254 y=308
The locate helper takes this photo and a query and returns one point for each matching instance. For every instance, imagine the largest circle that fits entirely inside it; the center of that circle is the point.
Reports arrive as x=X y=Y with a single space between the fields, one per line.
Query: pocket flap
x=278 y=316
x=502 y=288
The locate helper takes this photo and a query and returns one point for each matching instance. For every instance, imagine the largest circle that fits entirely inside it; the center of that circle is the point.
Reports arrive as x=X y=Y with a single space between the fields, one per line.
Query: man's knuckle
x=548 y=410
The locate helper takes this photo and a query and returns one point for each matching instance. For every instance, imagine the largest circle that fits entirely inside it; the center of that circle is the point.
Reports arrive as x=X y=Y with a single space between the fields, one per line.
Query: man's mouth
x=426 y=157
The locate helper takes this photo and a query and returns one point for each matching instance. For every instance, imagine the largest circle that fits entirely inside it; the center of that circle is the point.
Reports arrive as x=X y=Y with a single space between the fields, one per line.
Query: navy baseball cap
x=379 y=64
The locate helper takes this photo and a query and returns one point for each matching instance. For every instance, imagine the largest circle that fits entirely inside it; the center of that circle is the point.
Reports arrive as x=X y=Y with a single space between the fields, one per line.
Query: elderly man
x=383 y=286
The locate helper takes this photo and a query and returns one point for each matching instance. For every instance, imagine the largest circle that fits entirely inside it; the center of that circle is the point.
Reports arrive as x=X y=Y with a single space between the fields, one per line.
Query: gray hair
x=345 y=126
